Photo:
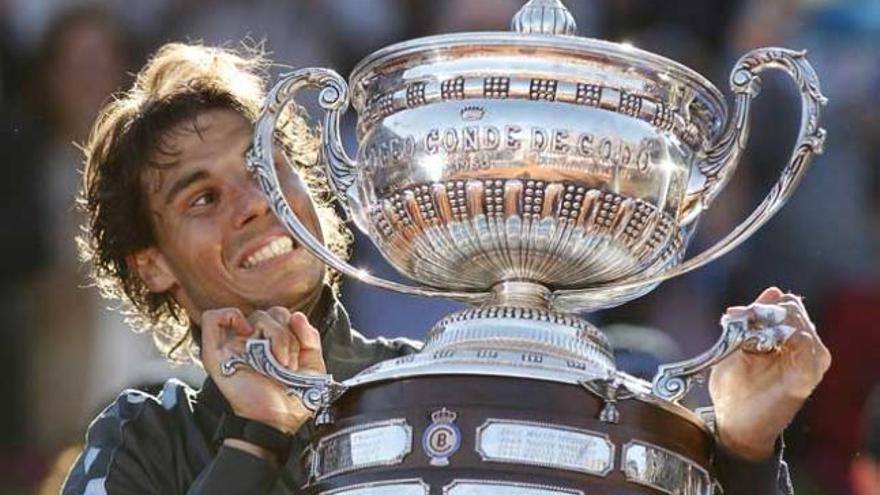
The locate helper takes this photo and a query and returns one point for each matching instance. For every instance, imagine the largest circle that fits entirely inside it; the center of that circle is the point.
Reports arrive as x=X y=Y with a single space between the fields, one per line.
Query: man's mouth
x=276 y=248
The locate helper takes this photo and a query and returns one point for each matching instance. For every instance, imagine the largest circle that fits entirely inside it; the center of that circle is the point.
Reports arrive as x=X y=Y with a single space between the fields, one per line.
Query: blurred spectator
x=850 y=329
x=81 y=62
x=79 y=65
x=865 y=466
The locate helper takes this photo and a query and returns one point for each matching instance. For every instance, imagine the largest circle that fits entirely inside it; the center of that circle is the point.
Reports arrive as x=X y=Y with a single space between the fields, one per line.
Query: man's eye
x=203 y=199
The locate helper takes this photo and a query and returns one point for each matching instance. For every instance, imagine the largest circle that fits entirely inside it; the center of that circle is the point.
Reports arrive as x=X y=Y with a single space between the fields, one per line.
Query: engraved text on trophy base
x=547 y=445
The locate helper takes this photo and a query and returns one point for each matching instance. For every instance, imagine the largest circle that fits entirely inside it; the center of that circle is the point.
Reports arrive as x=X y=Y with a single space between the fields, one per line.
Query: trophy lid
x=542 y=30
x=544 y=17
x=542 y=42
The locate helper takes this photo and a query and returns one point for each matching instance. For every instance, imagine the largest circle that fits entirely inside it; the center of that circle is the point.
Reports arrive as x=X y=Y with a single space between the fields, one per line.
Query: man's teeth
x=275 y=248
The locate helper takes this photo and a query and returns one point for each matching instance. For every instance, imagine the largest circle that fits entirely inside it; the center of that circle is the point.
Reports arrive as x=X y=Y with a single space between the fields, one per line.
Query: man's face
x=218 y=243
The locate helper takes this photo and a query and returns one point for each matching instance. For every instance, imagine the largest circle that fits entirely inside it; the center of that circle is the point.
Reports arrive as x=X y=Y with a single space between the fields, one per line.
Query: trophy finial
x=544 y=17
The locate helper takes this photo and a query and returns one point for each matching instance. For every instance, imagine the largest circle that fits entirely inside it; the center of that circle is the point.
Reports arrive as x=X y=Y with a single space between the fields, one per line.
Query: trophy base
x=461 y=435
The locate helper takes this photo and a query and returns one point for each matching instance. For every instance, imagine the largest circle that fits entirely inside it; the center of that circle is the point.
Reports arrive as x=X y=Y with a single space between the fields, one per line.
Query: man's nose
x=250 y=204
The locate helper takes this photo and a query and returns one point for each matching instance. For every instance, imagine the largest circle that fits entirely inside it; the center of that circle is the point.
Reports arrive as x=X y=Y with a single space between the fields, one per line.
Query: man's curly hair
x=177 y=84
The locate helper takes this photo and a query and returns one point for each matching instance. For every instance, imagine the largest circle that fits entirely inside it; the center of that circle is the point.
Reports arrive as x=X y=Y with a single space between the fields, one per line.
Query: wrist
x=753 y=437
x=253 y=436
x=285 y=423
x=754 y=448
x=250 y=448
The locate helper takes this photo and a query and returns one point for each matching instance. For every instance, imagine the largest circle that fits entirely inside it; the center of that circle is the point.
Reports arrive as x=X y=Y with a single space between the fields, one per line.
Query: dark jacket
x=162 y=445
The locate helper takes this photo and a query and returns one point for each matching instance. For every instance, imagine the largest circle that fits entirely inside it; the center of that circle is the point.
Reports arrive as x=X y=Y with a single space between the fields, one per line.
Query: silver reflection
x=381 y=443
x=663 y=470
x=492 y=487
x=397 y=487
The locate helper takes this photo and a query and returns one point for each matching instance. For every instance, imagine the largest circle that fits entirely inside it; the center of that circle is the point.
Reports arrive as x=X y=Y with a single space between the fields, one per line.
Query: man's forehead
x=196 y=143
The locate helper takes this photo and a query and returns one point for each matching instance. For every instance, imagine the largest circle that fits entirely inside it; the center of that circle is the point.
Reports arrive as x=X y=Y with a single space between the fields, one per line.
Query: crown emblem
x=442 y=437
x=442 y=416
x=472 y=112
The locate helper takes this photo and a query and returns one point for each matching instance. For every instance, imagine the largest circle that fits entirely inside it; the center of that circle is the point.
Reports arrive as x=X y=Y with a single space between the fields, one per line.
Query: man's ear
x=152 y=267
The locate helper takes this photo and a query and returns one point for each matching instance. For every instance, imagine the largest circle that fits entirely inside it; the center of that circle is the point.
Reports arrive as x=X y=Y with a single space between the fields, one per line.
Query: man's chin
x=296 y=292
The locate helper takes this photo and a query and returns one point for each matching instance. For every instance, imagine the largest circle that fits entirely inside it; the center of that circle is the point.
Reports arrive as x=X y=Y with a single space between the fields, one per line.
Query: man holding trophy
x=532 y=174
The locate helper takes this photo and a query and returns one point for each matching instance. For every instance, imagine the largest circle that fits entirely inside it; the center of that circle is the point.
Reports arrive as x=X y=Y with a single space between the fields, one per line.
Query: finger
x=282 y=315
x=279 y=338
x=810 y=328
x=310 y=357
x=796 y=317
x=820 y=355
x=799 y=347
x=799 y=319
x=795 y=299
x=807 y=360
x=806 y=341
x=220 y=328
x=769 y=296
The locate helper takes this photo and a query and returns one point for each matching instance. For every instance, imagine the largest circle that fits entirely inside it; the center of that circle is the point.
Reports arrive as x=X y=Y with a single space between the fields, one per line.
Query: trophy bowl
x=533 y=174
x=557 y=160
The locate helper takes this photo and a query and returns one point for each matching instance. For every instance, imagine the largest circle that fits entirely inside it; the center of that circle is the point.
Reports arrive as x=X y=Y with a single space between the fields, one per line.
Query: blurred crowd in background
x=64 y=354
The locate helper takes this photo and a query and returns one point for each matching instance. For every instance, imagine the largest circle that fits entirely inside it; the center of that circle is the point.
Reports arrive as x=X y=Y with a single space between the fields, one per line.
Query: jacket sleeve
x=742 y=477
x=116 y=459
x=130 y=451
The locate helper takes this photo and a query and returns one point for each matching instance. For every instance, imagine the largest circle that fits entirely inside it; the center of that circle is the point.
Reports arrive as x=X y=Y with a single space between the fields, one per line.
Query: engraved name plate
x=382 y=443
x=491 y=487
x=541 y=444
x=663 y=470
x=399 y=487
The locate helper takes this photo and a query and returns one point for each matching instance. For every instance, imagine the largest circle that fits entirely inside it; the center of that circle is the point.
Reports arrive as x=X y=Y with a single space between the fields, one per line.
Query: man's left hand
x=756 y=395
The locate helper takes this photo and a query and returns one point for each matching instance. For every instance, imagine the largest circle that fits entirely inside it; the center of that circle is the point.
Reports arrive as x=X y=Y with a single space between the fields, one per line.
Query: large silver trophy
x=535 y=175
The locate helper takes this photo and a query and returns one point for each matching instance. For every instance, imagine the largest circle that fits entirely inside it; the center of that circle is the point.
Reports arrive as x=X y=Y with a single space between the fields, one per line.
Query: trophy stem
x=523 y=294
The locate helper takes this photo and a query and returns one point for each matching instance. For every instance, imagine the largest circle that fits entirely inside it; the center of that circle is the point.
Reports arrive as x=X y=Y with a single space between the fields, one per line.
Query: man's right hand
x=295 y=343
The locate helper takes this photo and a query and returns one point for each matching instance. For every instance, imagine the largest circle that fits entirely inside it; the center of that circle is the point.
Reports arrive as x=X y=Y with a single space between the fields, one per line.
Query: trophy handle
x=341 y=169
x=722 y=157
x=674 y=380
x=316 y=391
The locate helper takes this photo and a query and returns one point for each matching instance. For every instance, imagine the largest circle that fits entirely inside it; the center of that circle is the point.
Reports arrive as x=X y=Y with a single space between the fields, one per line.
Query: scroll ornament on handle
x=674 y=380
x=723 y=156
